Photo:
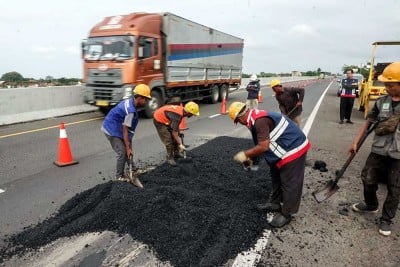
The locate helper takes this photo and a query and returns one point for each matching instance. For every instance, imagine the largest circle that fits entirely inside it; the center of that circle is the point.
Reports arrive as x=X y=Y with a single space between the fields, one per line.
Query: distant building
x=296 y=73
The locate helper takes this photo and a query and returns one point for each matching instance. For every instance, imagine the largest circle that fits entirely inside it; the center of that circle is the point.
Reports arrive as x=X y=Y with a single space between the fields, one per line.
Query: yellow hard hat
x=234 y=110
x=192 y=108
x=391 y=73
x=275 y=82
x=142 y=90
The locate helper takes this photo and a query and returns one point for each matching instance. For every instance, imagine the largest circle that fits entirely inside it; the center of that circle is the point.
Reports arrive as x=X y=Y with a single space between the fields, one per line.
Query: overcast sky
x=42 y=37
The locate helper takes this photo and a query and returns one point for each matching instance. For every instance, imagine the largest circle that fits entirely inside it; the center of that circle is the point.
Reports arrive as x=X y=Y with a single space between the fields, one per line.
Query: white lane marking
x=252 y=256
x=213 y=116
x=310 y=120
x=2 y=191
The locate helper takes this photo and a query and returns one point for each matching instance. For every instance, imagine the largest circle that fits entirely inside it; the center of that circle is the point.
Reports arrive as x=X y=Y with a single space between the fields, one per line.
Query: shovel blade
x=330 y=188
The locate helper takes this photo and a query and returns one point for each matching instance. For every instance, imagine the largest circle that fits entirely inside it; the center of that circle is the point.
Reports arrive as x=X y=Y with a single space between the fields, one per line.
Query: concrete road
x=33 y=188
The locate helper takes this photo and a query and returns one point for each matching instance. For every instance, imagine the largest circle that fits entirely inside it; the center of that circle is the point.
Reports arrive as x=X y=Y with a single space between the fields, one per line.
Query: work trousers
x=118 y=146
x=287 y=185
x=346 y=107
x=375 y=168
x=164 y=132
x=252 y=103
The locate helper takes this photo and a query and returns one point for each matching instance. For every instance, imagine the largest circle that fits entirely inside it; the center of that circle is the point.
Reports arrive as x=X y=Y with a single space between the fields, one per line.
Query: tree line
x=15 y=79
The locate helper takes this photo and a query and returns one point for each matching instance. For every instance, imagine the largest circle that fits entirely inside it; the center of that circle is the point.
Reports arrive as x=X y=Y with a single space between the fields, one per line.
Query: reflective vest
x=349 y=87
x=387 y=145
x=160 y=116
x=287 y=142
x=116 y=117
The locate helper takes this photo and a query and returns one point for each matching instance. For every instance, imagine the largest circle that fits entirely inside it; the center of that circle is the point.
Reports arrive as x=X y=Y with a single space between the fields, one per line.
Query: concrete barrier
x=35 y=103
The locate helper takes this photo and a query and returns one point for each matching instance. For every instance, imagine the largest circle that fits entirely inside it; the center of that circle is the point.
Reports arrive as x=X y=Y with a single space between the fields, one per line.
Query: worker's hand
x=129 y=152
x=240 y=157
x=353 y=148
x=182 y=148
x=299 y=103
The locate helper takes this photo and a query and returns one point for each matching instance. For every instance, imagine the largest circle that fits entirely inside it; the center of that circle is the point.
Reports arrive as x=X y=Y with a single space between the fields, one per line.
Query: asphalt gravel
x=201 y=213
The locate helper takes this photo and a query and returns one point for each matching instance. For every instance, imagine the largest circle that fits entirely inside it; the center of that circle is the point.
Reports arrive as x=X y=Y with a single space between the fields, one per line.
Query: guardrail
x=34 y=103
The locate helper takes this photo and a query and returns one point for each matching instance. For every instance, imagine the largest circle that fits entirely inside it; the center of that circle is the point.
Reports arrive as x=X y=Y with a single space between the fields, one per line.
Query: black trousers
x=346 y=107
x=375 y=168
x=287 y=185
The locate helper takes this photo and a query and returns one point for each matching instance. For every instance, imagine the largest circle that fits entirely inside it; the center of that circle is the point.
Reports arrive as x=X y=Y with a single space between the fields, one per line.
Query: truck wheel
x=223 y=91
x=214 y=94
x=154 y=103
x=104 y=110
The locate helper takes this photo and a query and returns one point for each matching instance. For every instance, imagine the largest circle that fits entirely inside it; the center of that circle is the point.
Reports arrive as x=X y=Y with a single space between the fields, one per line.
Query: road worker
x=347 y=97
x=166 y=120
x=284 y=147
x=384 y=158
x=253 y=89
x=290 y=100
x=119 y=127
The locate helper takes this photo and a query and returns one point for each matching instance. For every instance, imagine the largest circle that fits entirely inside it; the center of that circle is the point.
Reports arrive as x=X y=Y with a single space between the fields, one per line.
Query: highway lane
x=35 y=188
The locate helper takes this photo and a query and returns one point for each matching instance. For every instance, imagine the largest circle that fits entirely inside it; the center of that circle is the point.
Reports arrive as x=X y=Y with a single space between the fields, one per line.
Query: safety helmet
x=275 y=82
x=234 y=110
x=253 y=78
x=391 y=73
x=142 y=90
x=192 y=108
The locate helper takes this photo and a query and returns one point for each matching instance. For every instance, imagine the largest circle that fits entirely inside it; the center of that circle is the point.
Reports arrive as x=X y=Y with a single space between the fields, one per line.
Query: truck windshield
x=109 y=48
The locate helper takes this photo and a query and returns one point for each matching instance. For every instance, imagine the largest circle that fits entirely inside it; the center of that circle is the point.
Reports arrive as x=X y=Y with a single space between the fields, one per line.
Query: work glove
x=182 y=148
x=240 y=157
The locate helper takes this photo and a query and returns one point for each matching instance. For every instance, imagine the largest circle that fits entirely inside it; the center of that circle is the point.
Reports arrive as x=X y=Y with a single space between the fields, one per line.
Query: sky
x=42 y=38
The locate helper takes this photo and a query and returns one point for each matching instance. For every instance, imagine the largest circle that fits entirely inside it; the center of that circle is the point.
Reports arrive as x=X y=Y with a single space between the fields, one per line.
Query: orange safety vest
x=159 y=114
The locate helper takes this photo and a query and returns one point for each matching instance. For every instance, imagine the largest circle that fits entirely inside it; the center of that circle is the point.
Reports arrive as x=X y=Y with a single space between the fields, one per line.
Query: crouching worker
x=284 y=147
x=120 y=124
x=166 y=120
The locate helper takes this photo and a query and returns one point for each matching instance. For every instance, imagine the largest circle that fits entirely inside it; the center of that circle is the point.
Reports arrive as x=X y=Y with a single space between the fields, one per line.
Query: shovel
x=331 y=187
x=133 y=179
x=185 y=159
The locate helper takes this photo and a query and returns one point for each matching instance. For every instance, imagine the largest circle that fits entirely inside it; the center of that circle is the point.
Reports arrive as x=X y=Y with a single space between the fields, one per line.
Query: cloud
x=73 y=50
x=43 y=49
x=302 y=30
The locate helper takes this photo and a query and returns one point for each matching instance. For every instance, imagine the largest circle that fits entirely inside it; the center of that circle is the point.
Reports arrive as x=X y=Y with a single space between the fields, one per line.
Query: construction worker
x=253 y=89
x=384 y=158
x=347 y=96
x=290 y=100
x=284 y=147
x=166 y=120
x=119 y=127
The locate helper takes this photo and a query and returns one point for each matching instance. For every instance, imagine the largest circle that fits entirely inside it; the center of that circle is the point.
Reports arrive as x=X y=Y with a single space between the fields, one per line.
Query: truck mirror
x=83 y=47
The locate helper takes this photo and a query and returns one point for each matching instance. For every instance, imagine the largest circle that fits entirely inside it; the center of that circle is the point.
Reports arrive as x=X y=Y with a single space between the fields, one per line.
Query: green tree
x=12 y=76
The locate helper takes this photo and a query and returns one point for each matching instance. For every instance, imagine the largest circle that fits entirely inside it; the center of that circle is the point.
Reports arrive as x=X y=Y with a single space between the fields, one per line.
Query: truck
x=372 y=88
x=180 y=60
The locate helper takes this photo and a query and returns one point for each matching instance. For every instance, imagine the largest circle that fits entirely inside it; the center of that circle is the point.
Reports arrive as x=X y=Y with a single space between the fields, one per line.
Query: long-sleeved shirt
x=288 y=99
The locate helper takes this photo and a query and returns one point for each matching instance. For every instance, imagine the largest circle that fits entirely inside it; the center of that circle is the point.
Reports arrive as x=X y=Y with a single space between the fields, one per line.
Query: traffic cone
x=260 y=99
x=182 y=125
x=64 y=152
x=222 y=109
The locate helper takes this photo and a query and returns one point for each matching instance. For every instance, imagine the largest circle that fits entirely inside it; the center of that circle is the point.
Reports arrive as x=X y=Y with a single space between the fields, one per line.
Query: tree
x=12 y=76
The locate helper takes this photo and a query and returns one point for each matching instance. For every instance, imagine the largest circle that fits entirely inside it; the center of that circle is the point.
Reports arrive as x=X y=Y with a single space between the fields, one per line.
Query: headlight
x=127 y=92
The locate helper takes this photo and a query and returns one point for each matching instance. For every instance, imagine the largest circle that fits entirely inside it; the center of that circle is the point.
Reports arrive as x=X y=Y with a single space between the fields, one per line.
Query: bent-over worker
x=284 y=147
x=290 y=100
x=166 y=120
x=120 y=124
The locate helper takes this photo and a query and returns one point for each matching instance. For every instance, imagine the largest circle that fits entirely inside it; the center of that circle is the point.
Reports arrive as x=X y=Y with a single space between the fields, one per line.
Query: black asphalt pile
x=197 y=214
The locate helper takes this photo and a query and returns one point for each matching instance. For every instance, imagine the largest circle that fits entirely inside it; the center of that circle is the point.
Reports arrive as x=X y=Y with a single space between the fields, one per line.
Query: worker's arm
x=300 y=92
x=127 y=143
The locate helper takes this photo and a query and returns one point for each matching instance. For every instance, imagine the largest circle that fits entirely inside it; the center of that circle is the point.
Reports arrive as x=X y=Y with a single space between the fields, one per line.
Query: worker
x=166 y=120
x=384 y=157
x=120 y=124
x=347 y=96
x=284 y=147
x=253 y=89
x=290 y=100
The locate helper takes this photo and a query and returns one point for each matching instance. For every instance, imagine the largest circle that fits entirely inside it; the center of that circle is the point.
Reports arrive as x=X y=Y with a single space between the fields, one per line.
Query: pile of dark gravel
x=198 y=214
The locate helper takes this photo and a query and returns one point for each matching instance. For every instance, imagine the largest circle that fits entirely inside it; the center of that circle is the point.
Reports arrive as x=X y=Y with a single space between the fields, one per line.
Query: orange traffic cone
x=64 y=152
x=182 y=125
x=260 y=99
x=222 y=110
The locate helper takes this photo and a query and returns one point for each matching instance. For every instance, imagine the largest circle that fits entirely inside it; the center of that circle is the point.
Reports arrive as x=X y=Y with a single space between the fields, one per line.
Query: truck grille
x=110 y=77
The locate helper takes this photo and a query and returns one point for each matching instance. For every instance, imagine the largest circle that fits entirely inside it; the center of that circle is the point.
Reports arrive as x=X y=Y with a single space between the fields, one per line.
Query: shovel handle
x=340 y=173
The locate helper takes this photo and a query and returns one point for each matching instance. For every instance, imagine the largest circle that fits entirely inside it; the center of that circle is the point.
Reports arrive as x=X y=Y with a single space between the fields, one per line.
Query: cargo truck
x=179 y=59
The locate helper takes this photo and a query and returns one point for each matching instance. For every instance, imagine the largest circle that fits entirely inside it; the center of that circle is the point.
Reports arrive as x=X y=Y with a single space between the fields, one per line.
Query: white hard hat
x=253 y=78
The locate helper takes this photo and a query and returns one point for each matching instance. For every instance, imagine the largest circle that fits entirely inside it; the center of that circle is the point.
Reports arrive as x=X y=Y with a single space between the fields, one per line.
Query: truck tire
x=214 y=94
x=223 y=91
x=154 y=103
